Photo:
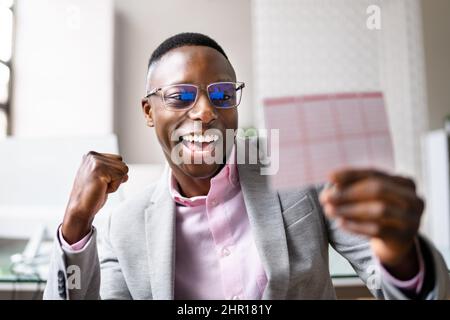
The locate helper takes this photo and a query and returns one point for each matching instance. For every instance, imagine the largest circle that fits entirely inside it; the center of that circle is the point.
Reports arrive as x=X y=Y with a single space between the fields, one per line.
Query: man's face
x=201 y=66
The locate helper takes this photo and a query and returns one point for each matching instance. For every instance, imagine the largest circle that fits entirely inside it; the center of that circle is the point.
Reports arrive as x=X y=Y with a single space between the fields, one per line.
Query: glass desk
x=341 y=268
x=15 y=286
x=348 y=285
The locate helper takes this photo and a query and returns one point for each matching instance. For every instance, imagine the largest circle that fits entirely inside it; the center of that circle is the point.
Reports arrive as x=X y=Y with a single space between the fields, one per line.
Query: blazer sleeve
x=88 y=274
x=356 y=249
x=74 y=275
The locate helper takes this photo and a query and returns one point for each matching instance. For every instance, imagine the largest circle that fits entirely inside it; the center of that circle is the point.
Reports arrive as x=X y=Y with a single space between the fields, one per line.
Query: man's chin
x=200 y=171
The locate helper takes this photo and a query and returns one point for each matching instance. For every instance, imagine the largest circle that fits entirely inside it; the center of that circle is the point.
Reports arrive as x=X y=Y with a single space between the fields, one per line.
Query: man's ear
x=148 y=112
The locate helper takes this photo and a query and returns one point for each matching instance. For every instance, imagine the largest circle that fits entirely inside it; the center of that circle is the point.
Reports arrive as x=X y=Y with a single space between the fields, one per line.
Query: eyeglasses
x=180 y=97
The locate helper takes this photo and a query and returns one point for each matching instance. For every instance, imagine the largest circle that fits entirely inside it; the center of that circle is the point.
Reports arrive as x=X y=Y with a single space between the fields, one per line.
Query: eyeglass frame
x=241 y=85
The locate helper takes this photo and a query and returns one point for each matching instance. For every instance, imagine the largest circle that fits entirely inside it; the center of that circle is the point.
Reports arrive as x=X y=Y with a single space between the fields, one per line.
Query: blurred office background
x=77 y=69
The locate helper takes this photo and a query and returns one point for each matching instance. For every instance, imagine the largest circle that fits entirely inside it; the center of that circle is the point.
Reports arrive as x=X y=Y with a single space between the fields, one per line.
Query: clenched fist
x=99 y=174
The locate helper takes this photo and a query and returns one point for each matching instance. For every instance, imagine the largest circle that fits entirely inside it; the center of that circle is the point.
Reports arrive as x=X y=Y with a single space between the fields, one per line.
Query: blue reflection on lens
x=216 y=95
x=187 y=96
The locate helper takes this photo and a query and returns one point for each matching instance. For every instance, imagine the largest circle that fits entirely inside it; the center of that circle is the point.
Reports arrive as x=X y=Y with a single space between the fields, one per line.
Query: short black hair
x=181 y=40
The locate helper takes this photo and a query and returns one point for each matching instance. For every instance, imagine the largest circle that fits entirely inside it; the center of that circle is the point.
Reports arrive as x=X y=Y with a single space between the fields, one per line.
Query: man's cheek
x=161 y=136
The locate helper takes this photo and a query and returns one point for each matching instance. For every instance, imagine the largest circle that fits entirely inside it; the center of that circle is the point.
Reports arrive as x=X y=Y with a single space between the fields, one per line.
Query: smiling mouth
x=199 y=142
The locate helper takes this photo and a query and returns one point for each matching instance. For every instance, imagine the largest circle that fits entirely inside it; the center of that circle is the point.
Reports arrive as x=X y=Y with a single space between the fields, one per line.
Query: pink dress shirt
x=216 y=257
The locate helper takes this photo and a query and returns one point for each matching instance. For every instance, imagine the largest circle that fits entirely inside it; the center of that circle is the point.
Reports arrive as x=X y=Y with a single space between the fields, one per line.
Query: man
x=209 y=230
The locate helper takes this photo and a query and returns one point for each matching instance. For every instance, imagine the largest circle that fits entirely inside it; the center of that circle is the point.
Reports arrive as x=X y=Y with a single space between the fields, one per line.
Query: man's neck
x=192 y=187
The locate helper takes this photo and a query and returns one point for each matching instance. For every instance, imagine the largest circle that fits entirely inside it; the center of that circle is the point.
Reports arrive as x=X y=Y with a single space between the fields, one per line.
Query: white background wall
x=63 y=87
x=63 y=68
x=436 y=25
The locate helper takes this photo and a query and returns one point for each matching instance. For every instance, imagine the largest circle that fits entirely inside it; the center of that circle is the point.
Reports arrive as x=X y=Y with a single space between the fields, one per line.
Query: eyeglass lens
x=221 y=95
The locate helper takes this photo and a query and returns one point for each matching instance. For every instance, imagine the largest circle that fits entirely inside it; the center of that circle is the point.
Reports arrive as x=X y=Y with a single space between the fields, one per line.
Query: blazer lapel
x=266 y=222
x=160 y=229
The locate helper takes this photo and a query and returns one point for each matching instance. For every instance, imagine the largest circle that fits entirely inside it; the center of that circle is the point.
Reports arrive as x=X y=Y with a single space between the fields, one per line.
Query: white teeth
x=200 y=137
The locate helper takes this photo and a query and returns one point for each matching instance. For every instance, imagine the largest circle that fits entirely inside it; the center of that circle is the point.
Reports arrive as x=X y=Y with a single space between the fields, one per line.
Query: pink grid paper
x=321 y=133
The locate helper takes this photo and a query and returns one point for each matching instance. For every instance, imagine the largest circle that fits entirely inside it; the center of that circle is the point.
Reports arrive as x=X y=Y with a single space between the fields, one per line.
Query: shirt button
x=225 y=252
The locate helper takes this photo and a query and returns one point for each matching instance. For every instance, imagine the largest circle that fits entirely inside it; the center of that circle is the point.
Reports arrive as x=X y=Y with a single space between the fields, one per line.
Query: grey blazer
x=292 y=234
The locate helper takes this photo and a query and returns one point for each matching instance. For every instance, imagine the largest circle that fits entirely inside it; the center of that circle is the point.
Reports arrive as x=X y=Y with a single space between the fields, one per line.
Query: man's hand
x=99 y=174
x=383 y=207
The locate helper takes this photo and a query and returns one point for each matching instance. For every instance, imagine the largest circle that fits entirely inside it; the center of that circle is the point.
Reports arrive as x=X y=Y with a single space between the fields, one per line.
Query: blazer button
x=61 y=284
x=62 y=294
x=62 y=291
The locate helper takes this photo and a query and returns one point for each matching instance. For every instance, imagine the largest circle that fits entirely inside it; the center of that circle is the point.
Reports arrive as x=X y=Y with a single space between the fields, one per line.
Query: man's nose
x=203 y=110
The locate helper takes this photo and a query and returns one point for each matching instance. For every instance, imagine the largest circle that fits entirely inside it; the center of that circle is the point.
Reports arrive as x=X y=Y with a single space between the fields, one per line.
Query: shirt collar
x=228 y=172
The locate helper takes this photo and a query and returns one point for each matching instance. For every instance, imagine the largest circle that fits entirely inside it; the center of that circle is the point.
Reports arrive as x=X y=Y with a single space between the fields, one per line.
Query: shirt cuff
x=76 y=247
x=413 y=285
